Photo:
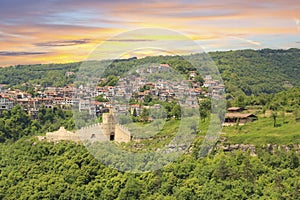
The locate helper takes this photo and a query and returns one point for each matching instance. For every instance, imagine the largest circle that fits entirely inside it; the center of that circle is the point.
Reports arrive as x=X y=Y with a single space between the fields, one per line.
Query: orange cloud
x=69 y=34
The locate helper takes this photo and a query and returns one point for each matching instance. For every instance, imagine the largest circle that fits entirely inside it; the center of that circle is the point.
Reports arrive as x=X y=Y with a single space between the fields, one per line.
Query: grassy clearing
x=163 y=136
x=263 y=132
x=160 y=139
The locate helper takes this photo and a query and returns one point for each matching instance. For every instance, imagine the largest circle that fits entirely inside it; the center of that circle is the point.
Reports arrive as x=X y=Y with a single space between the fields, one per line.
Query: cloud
x=130 y=40
x=297 y=21
x=20 y=53
x=247 y=40
x=63 y=43
x=28 y=27
x=4 y=34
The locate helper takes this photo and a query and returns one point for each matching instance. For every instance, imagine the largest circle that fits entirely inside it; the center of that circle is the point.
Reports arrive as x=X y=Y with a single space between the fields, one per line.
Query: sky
x=60 y=31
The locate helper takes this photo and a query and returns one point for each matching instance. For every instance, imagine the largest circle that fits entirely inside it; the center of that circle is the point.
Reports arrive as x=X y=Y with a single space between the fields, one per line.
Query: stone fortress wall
x=122 y=134
x=108 y=130
x=62 y=134
x=92 y=133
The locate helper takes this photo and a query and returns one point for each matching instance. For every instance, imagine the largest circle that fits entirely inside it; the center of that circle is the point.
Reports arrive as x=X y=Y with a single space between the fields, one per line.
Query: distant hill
x=260 y=71
x=243 y=71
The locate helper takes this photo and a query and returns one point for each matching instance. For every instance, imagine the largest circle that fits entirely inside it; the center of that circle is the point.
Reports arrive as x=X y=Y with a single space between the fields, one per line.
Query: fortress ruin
x=108 y=130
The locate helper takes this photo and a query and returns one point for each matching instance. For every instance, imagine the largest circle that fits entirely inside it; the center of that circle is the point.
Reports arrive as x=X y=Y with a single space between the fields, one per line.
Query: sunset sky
x=59 y=31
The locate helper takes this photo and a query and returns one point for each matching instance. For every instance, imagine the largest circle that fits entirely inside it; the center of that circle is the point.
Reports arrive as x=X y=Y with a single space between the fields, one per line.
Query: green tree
x=100 y=98
x=132 y=189
x=199 y=79
x=134 y=112
x=145 y=114
x=296 y=114
x=18 y=124
x=147 y=100
x=274 y=116
x=111 y=80
x=176 y=111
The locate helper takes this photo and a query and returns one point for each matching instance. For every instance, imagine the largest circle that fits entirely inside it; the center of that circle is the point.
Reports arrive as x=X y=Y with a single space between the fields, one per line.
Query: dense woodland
x=16 y=123
x=65 y=170
x=266 y=81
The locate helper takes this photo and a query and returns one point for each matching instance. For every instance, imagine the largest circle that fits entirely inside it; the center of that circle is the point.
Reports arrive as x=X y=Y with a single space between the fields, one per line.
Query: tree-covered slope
x=42 y=170
x=42 y=74
x=261 y=71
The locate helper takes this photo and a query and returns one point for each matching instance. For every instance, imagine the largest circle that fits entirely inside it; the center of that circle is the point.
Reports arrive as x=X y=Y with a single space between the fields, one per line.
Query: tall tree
x=274 y=116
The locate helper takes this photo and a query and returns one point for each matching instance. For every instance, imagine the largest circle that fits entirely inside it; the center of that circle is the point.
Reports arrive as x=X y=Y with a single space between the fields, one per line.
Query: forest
x=265 y=82
x=65 y=170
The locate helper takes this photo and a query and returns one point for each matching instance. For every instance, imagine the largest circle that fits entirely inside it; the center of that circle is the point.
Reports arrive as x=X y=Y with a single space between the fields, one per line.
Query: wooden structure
x=238 y=118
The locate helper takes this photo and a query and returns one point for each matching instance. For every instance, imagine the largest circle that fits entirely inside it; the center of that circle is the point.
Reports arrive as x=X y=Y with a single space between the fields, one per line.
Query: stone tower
x=112 y=130
x=108 y=125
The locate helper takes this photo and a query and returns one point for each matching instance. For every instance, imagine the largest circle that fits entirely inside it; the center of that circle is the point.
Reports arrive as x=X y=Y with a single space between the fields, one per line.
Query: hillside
x=247 y=71
x=41 y=170
x=262 y=71
x=266 y=82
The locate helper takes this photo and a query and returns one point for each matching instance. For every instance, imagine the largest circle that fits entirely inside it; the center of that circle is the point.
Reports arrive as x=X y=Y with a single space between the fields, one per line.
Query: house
x=138 y=109
x=67 y=74
x=235 y=116
x=28 y=104
x=86 y=104
x=211 y=83
x=71 y=101
x=238 y=118
x=6 y=103
x=59 y=100
x=191 y=101
x=235 y=109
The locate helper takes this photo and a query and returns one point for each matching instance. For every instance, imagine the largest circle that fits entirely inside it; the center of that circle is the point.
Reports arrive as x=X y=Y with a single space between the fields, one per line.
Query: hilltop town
x=85 y=97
